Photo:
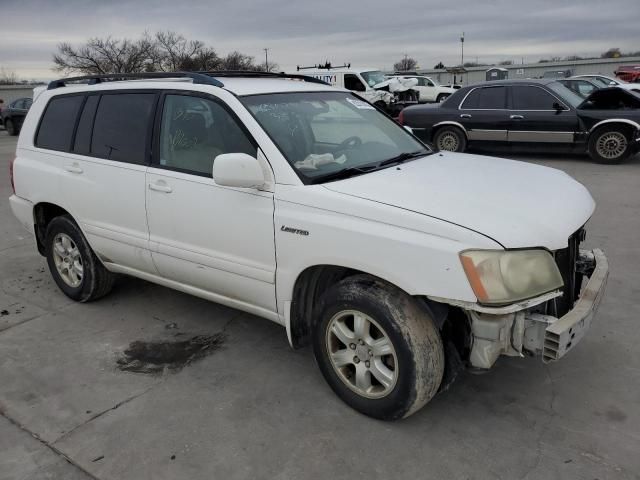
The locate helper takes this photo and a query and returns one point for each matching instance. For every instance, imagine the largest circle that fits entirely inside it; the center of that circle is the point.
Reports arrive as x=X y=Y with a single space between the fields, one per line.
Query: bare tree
x=8 y=77
x=406 y=64
x=172 y=52
x=104 y=55
x=164 y=51
x=239 y=61
x=611 y=53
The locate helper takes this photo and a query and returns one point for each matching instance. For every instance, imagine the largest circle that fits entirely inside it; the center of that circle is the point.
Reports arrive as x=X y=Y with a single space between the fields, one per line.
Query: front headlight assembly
x=500 y=277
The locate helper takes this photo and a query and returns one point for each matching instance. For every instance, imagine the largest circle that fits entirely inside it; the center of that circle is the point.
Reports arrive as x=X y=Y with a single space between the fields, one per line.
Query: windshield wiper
x=403 y=157
x=344 y=173
x=353 y=171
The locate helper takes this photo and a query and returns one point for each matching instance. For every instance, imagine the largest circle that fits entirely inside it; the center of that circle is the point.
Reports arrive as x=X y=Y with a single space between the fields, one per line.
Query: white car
x=430 y=90
x=303 y=204
x=602 y=80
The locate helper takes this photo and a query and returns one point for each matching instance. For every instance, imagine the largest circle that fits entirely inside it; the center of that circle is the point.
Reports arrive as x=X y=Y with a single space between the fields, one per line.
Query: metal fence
x=603 y=66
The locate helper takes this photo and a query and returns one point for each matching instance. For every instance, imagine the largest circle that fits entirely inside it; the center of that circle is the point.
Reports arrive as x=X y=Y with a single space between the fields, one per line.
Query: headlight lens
x=507 y=276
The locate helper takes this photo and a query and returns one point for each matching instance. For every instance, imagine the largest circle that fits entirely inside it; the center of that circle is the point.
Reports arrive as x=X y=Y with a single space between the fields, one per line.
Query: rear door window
x=531 y=98
x=486 y=98
x=58 y=121
x=122 y=126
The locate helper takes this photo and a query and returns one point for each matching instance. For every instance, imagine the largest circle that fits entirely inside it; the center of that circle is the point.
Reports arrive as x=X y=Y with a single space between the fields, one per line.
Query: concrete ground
x=256 y=409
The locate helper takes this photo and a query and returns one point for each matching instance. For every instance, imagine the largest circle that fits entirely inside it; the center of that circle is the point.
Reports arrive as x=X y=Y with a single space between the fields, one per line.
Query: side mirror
x=237 y=170
x=558 y=107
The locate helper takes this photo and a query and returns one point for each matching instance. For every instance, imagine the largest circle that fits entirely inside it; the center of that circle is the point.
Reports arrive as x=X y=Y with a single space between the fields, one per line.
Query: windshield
x=324 y=134
x=373 y=78
x=566 y=95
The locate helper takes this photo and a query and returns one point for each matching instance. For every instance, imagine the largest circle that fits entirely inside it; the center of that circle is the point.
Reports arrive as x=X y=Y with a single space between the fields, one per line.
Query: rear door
x=534 y=117
x=483 y=113
x=101 y=172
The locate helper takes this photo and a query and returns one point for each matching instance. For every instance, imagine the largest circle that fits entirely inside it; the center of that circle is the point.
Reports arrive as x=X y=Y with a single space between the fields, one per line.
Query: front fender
x=418 y=254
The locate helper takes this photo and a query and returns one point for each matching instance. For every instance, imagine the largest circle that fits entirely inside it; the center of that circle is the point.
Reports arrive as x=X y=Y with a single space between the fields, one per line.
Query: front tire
x=609 y=145
x=10 y=127
x=402 y=355
x=73 y=265
x=442 y=97
x=450 y=139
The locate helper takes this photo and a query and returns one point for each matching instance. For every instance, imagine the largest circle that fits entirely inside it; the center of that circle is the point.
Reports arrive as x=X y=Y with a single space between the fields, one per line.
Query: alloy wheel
x=448 y=141
x=68 y=260
x=611 y=145
x=362 y=354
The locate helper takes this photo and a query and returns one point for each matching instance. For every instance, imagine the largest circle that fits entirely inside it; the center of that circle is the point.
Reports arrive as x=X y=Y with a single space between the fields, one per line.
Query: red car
x=629 y=73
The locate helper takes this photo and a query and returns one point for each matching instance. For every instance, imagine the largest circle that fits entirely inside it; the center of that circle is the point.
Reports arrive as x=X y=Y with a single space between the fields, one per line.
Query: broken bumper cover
x=564 y=333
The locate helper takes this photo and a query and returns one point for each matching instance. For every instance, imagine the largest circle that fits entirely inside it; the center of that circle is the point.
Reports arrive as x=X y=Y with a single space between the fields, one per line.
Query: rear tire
x=610 y=145
x=73 y=265
x=403 y=358
x=442 y=97
x=450 y=139
x=10 y=127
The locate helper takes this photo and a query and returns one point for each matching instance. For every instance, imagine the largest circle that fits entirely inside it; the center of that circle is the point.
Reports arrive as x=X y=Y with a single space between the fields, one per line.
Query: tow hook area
x=495 y=335
x=543 y=335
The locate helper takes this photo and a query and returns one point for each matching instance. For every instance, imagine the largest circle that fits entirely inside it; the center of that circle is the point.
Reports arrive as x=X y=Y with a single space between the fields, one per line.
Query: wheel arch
x=613 y=121
x=313 y=281
x=451 y=123
x=43 y=213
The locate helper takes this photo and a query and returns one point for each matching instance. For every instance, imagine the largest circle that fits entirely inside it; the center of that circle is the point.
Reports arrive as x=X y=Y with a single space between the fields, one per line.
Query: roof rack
x=252 y=74
x=204 y=78
x=197 y=77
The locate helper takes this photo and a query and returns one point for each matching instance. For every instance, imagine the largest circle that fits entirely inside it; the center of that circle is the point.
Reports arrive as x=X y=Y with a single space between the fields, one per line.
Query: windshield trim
x=315 y=181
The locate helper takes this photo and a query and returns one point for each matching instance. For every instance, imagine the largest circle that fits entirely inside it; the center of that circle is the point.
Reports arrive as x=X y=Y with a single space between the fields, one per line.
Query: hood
x=517 y=204
x=611 y=98
x=396 y=84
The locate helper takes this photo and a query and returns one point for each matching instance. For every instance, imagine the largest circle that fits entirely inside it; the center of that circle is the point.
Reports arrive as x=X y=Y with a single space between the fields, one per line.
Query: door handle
x=75 y=168
x=465 y=115
x=516 y=117
x=160 y=187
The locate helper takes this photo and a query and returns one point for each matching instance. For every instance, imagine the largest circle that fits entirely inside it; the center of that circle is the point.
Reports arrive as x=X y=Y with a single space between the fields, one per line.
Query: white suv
x=304 y=205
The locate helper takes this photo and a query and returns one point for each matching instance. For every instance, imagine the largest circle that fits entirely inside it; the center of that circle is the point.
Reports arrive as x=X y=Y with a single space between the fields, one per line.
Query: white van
x=391 y=95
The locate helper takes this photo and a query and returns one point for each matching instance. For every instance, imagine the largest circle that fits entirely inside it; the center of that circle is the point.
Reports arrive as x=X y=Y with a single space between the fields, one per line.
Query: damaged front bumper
x=508 y=332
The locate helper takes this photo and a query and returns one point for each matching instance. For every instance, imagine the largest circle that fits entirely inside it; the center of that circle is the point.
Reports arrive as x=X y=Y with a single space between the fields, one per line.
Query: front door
x=216 y=239
x=484 y=115
x=537 y=116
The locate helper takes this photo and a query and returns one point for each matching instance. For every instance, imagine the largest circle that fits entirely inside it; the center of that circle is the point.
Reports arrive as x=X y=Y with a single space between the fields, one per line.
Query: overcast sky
x=375 y=33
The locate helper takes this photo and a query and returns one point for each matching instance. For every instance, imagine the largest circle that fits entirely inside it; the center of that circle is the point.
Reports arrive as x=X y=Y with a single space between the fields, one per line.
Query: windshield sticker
x=362 y=105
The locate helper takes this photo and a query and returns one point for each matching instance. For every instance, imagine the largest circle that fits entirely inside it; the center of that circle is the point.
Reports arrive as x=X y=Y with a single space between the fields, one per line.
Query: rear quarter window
x=58 y=122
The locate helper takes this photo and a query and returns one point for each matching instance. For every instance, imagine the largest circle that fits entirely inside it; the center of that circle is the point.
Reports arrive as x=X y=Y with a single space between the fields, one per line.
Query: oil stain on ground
x=170 y=356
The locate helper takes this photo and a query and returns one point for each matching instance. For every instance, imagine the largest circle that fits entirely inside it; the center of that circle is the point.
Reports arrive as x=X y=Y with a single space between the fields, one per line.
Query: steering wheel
x=350 y=142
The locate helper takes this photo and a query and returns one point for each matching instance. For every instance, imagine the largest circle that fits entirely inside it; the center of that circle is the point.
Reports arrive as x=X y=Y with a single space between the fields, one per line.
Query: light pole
x=462 y=50
x=266 y=59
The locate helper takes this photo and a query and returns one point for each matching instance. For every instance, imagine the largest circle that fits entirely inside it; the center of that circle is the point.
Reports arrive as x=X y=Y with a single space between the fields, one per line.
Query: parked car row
x=606 y=123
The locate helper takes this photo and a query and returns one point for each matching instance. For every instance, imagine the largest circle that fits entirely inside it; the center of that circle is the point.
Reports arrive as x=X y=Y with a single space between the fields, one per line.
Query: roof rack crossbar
x=197 y=77
x=252 y=74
